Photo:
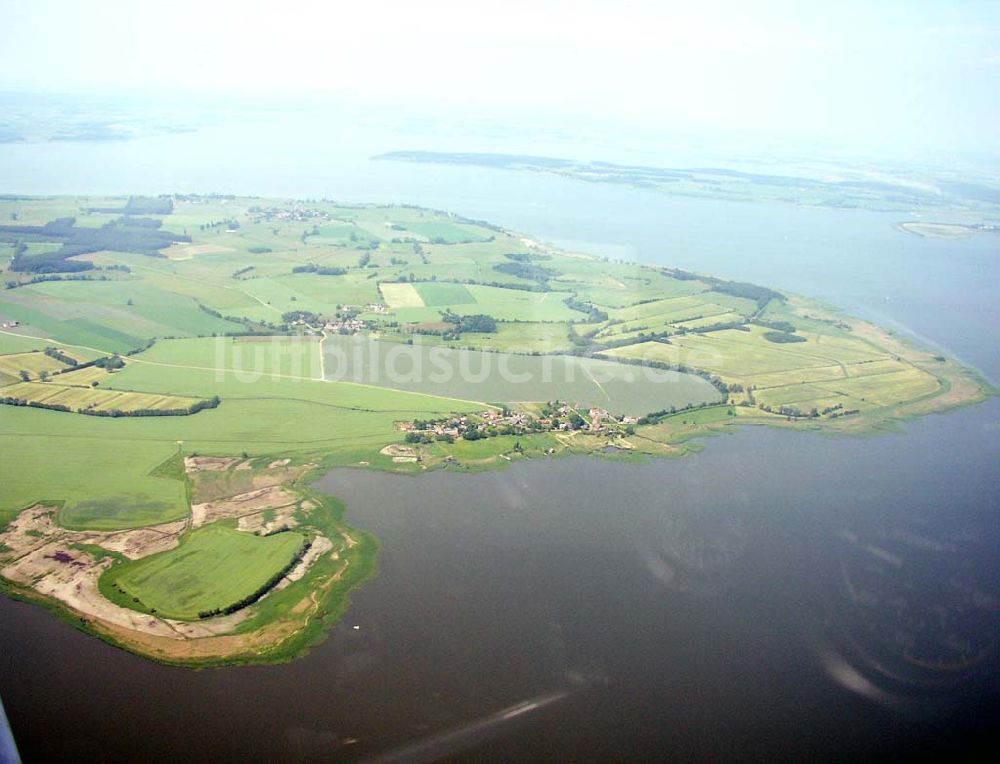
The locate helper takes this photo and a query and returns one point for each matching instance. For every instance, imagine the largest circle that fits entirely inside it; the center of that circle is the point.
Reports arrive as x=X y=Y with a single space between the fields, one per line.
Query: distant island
x=176 y=370
x=824 y=185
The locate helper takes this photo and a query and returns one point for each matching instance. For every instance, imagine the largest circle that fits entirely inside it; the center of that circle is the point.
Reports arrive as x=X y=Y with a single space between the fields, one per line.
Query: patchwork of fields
x=819 y=372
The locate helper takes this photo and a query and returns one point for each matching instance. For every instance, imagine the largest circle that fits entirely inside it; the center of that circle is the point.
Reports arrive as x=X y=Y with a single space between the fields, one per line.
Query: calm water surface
x=692 y=608
x=780 y=594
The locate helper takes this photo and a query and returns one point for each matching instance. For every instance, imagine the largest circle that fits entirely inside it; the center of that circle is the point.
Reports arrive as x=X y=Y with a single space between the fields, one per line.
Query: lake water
x=782 y=595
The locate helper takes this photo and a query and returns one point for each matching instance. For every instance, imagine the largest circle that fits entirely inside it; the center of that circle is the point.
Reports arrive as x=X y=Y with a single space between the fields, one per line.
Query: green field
x=102 y=471
x=213 y=567
x=401 y=296
x=434 y=294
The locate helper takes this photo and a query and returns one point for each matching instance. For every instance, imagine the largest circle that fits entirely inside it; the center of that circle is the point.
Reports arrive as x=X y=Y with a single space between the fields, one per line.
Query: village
x=346 y=321
x=555 y=416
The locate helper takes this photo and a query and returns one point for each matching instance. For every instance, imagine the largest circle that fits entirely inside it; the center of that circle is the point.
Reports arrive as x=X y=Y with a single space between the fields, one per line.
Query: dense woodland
x=117 y=236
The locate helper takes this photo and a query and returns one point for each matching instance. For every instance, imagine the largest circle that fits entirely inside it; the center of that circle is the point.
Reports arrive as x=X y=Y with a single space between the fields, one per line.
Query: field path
x=322 y=355
x=594 y=380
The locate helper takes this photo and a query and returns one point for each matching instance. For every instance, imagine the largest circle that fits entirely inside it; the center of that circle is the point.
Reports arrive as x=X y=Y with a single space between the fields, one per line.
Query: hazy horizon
x=897 y=79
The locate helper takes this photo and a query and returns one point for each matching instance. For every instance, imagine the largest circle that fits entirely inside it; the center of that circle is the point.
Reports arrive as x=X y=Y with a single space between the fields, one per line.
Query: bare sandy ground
x=255 y=523
x=271 y=497
x=211 y=463
x=40 y=556
x=45 y=560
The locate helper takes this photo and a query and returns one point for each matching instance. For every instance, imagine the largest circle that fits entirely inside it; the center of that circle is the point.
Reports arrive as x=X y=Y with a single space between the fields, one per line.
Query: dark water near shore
x=782 y=595
x=692 y=608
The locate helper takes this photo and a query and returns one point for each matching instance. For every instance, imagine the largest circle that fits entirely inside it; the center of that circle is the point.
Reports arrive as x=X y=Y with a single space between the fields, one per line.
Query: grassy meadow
x=213 y=568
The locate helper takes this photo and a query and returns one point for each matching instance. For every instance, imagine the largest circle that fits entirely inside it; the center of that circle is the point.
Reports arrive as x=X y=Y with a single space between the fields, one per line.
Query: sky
x=920 y=75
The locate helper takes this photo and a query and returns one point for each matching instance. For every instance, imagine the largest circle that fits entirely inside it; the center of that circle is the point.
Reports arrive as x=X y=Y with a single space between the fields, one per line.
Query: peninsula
x=176 y=370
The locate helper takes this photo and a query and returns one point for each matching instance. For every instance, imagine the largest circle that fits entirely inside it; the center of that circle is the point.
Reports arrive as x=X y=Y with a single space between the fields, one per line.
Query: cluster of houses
x=345 y=325
x=440 y=429
x=300 y=214
x=566 y=417
x=563 y=418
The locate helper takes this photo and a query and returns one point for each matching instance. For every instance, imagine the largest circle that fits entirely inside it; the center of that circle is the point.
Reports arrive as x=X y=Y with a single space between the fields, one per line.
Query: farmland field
x=401 y=296
x=213 y=567
x=434 y=294
x=94 y=399
x=33 y=363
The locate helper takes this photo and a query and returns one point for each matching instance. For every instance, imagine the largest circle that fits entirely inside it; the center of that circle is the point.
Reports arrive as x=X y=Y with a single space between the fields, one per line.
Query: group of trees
x=778 y=326
x=479 y=323
x=117 y=236
x=594 y=314
x=306 y=316
x=58 y=355
x=760 y=295
x=109 y=363
x=527 y=271
x=526 y=257
x=319 y=270
x=782 y=337
x=230 y=224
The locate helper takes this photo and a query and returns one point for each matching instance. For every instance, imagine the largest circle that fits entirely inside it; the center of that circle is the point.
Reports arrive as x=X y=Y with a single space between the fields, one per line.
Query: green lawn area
x=102 y=473
x=213 y=567
x=141 y=305
x=434 y=293
x=11 y=343
x=70 y=331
